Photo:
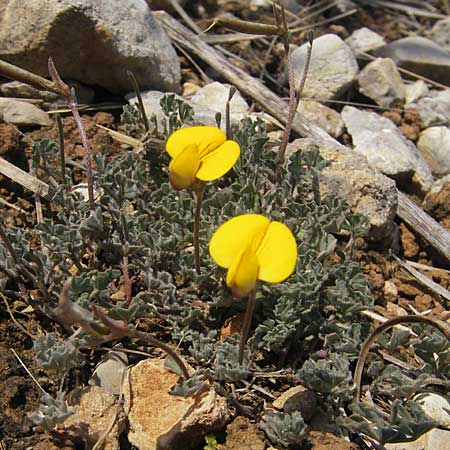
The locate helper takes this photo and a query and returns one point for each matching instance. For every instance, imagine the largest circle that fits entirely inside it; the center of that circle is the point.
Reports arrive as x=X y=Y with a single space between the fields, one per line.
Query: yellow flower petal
x=277 y=253
x=183 y=168
x=235 y=236
x=205 y=138
x=218 y=162
x=243 y=273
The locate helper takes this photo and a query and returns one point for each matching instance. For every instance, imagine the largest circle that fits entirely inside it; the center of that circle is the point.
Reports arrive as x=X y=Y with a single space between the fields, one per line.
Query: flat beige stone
x=161 y=421
x=95 y=411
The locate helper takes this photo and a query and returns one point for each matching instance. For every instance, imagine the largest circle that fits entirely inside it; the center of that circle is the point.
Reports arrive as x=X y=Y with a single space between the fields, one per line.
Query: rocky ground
x=378 y=84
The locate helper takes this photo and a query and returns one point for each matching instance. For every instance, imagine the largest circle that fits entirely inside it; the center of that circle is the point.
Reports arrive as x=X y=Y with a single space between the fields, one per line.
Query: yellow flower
x=253 y=248
x=199 y=153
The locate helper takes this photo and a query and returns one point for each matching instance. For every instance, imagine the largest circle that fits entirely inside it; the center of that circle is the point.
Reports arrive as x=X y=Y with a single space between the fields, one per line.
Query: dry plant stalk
x=60 y=88
x=281 y=30
x=442 y=326
x=69 y=95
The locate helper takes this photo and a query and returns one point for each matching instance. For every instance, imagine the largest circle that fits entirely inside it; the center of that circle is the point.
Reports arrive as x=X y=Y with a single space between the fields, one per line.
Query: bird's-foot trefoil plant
x=253 y=248
x=199 y=154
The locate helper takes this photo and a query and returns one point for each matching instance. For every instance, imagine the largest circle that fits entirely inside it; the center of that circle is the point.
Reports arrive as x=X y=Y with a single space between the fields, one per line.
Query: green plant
x=285 y=429
x=132 y=256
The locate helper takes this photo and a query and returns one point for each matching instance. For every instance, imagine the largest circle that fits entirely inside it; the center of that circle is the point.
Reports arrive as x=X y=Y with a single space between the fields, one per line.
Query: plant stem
x=291 y=81
x=227 y=112
x=316 y=188
x=69 y=95
x=62 y=156
x=157 y=343
x=139 y=99
x=199 y=193
x=16 y=73
x=442 y=326
x=120 y=329
x=301 y=85
x=127 y=281
x=246 y=325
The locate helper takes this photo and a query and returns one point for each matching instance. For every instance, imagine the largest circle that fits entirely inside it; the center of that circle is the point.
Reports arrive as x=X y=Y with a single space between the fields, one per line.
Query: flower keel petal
x=243 y=274
x=183 y=168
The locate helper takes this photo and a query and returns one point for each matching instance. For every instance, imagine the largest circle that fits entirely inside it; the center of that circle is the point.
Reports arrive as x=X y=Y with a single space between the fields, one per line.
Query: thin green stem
x=200 y=194
x=139 y=99
x=228 y=113
x=247 y=324
x=62 y=157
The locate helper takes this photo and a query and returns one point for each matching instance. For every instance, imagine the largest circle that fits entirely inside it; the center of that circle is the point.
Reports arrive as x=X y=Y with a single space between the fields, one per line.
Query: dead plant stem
x=443 y=327
x=69 y=95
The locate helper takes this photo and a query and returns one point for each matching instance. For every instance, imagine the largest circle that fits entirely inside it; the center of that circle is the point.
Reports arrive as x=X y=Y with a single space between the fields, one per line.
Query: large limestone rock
x=161 y=421
x=366 y=191
x=386 y=149
x=332 y=70
x=91 y=41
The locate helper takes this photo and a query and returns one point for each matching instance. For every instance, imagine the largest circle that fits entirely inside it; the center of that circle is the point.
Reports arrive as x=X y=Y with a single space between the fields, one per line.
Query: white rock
x=326 y=118
x=386 y=149
x=433 y=440
x=434 y=109
x=151 y=100
x=23 y=113
x=435 y=406
x=415 y=91
x=438 y=185
x=256 y=4
x=161 y=421
x=380 y=80
x=203 y=115
x=106 y=38
x=109 y=372
x=214 y=96
x=332 y=70
x=434 y=145
x=440 y=33
x=365 y=190
x=364 y=40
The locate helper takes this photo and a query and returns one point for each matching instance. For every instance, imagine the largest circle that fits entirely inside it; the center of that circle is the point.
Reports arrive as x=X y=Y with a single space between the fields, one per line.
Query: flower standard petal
x=218 y=162
x=243 y=273
x=234 y=236
x=277 y=253
x=205 y=138
x=183 y=168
